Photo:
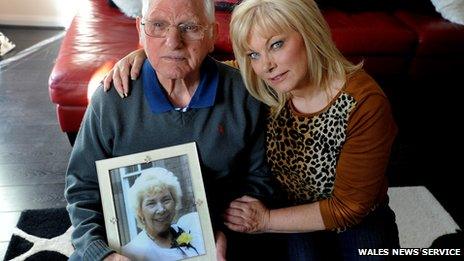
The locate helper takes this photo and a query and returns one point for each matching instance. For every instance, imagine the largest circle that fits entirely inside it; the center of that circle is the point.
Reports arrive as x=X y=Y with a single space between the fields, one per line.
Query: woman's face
x=158 y=211
x=279 y=59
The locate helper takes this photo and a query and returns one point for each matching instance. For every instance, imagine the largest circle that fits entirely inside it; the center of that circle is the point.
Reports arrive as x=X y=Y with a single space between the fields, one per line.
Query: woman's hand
x=221 y=245
x=116 y=257
x=248 y=215
x=131 y=65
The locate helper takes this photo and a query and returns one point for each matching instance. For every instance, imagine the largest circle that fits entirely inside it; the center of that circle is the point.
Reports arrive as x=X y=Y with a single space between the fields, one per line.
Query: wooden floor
x=33 y=150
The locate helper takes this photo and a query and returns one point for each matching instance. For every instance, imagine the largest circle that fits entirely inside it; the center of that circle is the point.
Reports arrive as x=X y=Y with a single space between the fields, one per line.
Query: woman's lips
x=278 y=78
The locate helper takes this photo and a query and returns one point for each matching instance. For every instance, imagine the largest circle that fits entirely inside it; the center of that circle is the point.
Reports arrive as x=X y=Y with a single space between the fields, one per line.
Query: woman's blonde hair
x=325 y=62
x=152 y=181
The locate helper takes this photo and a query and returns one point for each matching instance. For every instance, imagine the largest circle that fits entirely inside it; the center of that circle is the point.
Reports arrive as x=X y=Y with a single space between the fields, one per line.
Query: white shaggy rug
x=420 y=217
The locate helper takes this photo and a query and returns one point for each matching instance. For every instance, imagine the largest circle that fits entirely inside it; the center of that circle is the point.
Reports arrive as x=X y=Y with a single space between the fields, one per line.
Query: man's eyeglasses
x=188 y=31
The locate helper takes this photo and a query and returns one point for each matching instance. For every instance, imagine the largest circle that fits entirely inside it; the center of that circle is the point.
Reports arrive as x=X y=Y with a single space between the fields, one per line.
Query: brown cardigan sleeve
x=360 y=182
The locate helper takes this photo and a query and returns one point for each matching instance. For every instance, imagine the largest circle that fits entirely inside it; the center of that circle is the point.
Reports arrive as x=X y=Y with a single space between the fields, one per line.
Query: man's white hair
x=207 y=4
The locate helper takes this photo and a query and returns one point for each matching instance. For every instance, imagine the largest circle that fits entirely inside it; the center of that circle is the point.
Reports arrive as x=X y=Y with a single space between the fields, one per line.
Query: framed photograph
x=155 y=206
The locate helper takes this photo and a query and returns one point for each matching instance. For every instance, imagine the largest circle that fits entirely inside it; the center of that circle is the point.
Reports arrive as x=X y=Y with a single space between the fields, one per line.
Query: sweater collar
x=203 y=97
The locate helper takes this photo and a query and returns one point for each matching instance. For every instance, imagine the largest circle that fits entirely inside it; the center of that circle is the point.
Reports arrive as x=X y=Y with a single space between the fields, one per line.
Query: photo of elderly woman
x=157 y=218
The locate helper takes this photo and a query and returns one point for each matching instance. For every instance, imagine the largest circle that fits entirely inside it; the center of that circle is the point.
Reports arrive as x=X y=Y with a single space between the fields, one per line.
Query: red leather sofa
x=400 y=44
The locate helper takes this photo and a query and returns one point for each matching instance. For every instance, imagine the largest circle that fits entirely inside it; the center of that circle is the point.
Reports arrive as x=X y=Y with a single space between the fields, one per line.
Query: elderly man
x=181 y=96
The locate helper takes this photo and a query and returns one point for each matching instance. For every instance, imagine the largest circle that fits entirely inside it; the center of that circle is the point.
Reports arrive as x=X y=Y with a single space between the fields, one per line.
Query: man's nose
x=173 y=38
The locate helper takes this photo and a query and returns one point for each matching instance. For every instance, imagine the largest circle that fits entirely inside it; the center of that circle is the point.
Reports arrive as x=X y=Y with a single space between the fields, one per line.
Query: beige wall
x=37 y=12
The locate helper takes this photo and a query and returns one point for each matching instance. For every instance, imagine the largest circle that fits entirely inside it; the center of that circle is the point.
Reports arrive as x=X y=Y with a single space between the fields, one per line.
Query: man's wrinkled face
x=173 y=56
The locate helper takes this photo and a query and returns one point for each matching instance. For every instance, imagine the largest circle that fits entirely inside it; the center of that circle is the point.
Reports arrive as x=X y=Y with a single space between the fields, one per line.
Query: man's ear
x=214 y=36
x=138 y=24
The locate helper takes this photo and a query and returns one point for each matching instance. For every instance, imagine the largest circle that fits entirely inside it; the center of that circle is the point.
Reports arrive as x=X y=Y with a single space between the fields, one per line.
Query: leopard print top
x=303 y=150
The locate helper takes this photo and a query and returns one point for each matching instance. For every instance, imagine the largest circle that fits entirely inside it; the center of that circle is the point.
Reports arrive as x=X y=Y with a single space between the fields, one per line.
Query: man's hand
x=221 y=245
x=131 y=65
x=247 y=215
x=116 y=257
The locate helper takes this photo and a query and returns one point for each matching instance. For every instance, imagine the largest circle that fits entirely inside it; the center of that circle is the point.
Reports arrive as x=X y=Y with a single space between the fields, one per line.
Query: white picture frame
x=115 y=176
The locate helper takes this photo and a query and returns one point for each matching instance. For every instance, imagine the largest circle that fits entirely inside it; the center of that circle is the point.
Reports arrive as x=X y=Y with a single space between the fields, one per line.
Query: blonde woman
x=329 y=134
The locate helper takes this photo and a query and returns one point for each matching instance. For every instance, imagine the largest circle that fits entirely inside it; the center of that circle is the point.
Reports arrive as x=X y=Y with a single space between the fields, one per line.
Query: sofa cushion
x=223 y=43
x=420 y=6
x=70 y=117
x=358 y=5
x=439 y=54
x=354 y=33
x=97 y=34
x=436 y=35
x=369 y=33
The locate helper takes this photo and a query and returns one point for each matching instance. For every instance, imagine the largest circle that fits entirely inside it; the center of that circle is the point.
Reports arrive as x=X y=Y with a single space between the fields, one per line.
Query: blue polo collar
x=203 y=97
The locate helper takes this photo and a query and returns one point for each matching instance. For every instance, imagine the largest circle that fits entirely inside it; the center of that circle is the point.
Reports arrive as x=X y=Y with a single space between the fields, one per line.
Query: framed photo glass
x=154 y=205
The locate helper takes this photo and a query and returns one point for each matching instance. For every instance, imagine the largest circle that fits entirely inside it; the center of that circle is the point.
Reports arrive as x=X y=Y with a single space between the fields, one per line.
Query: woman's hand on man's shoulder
x=129 y=65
